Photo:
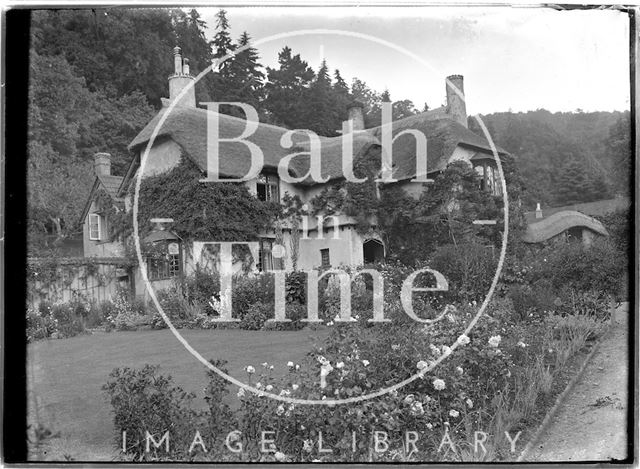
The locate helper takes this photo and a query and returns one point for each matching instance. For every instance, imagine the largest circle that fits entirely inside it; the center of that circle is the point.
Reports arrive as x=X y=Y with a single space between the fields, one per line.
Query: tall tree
x=287 y=89
x=371 y=101
x=247 y=74
x=342 y=96
x=322 y=116
x=573 y=184
x=618 y=150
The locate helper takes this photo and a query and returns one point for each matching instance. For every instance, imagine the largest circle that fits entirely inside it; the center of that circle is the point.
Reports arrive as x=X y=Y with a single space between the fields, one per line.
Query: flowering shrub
x=600 y=267
x=127 y=317
x=255 y=317
x=490 y=382
x=56 y=321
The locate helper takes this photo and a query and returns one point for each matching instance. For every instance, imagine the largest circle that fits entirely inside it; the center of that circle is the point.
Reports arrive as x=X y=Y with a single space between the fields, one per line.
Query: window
x=94 y=226
x=489 y=180
x=480 y=172
x=268 y=188
x=325 y=260
x=164 y=263
x=265 y=259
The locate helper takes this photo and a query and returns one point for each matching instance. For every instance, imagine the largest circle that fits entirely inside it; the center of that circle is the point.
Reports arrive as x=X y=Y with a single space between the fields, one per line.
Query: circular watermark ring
x=231 y=379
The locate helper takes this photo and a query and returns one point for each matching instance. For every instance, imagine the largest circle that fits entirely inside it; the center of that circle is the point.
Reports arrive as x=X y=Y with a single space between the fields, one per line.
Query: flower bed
x=497 y=379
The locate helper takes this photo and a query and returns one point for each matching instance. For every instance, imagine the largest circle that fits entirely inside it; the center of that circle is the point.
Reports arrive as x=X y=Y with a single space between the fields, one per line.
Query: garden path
x=591 y=425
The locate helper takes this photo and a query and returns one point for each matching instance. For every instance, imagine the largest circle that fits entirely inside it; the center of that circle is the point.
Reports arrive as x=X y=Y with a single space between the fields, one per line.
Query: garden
x=549 y=309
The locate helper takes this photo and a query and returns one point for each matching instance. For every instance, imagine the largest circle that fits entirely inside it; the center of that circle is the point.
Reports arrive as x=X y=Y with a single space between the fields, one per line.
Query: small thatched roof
x=555 y=224
x=188 y=128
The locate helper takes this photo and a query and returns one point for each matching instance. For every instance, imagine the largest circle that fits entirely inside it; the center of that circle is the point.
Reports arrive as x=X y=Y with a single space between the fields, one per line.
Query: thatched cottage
x=184 y=135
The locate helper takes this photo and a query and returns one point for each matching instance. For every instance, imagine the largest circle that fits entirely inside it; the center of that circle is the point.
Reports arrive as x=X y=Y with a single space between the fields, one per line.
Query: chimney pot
x=538 y=211
x=356 y=115
x=177 y=61
x=456 y=104
x=180 y=80
x=102 y=164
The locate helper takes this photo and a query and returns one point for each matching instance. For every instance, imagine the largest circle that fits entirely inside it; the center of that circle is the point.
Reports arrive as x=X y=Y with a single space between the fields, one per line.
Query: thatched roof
x=555 y=224
x=443 y=136
x=188 y=128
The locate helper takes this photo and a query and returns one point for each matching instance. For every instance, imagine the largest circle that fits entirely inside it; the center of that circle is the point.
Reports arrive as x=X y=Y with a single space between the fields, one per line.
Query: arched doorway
x=373 y=251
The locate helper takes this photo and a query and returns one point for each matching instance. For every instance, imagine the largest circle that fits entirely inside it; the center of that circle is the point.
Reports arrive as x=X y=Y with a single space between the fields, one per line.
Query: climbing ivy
x=413 y=227
x=221 y=211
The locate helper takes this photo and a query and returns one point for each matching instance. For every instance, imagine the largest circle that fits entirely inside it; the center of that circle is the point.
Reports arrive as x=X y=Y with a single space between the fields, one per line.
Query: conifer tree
x=573 y=184
x=322 y=116
x=248 y=77
x=287 y=89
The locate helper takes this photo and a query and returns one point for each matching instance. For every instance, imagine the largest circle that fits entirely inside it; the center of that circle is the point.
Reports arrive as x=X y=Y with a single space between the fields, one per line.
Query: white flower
x=463 y=339
x=422 y=365
x=326 y=368
x=438 y=384
x=469 y=403
x=307 y=445
x=280 y=410
x=365 y=362
x=265 y=364
x=427 y=399
x=395 y=347
x=435 y=350
x=271 y=367
x=416 y=408
x=290 y=364
x=429 y=426
x=249 y=369
x=294 y=387
x=409 y=399
x=321 y=359
x=339 y=365
x=297 y=367
x=330 y=323
x=446 y=350
x=459 y=370
x=494 y=341
x=258 y=385
x=285 y=392
x=454 y=413
x=280 y=456
x=240 y=392
x=269 y=387
x=521 y=344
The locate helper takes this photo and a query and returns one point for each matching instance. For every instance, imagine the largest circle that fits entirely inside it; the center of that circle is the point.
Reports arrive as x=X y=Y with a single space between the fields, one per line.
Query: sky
x=516 y=59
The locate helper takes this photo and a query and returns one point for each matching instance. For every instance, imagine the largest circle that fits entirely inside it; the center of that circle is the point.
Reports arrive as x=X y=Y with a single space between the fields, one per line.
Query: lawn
x=65 y=376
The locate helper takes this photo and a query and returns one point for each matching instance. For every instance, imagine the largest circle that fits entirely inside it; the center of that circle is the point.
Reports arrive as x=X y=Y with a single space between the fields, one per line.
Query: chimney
x=538 y=211
x=456 y=105
x=102 y=164
x=355 y=115
x=180 y=79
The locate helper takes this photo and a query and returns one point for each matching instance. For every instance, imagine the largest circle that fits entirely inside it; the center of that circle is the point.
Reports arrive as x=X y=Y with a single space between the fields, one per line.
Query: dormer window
x=268 y=188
